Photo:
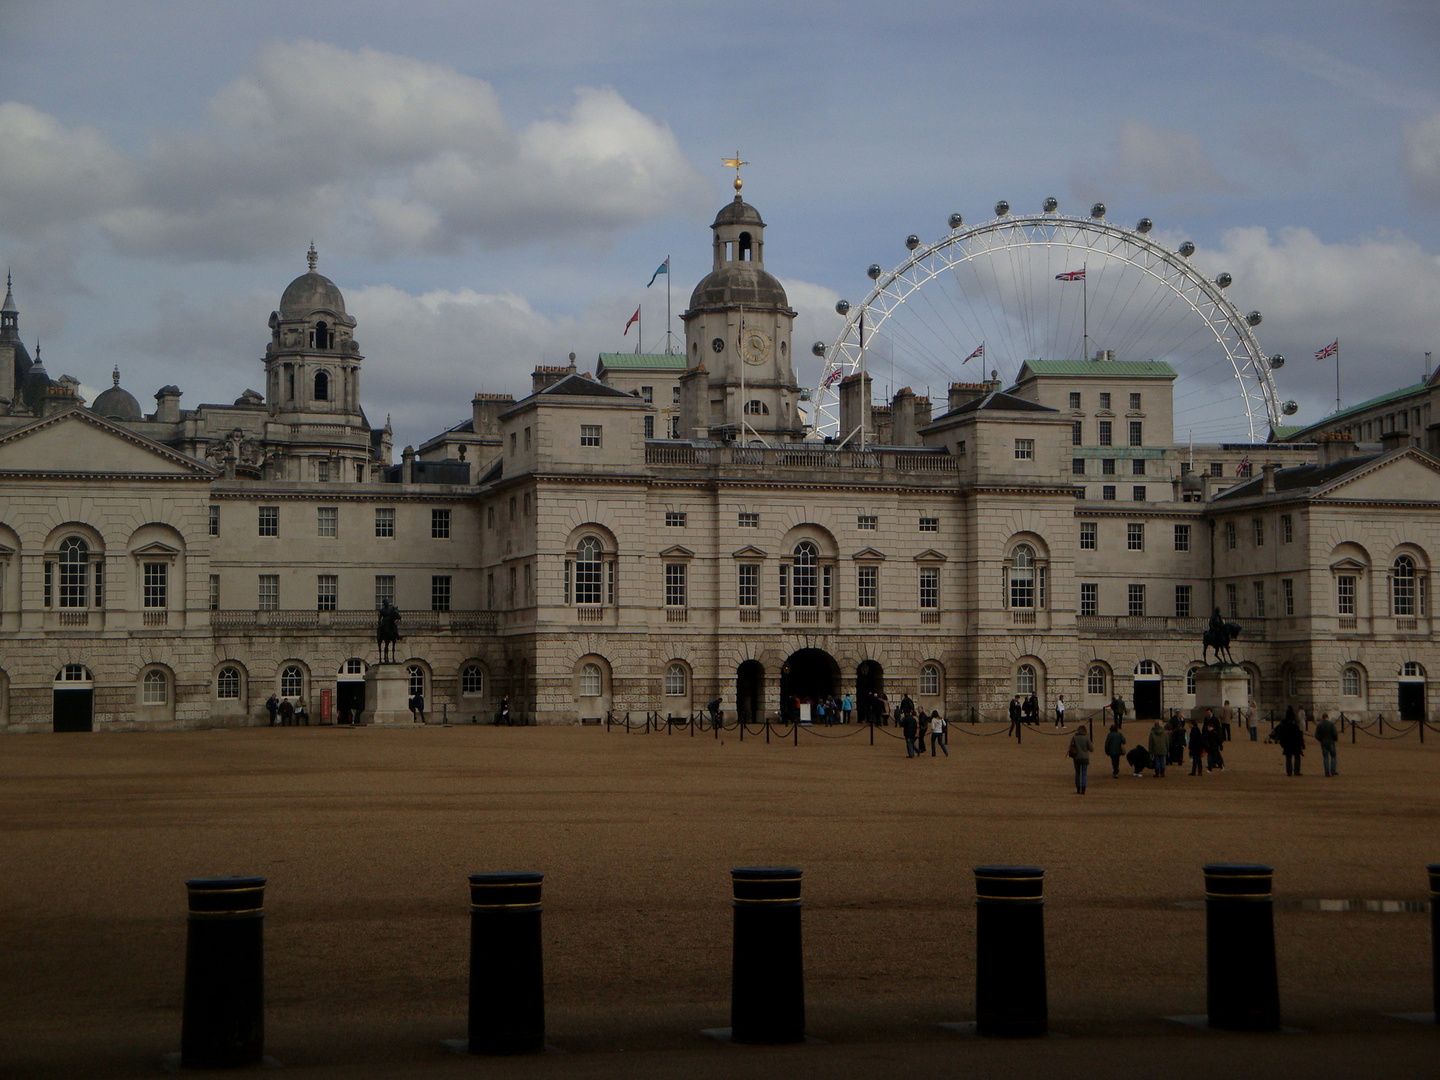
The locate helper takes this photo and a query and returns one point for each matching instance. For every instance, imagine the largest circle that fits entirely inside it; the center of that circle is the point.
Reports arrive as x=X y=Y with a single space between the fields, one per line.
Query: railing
x=917 y=461
x=157 y=618
x=1022 y=618
x=1348 y=622
x=749 y=615
x=677 y=614
x=1252 y=628
x=808 y=456
x=351 y=622
x=806 y=617
x=1406 y=624
x=74 y=618
x=870 y=616
x=660 y=454
x=589 y=614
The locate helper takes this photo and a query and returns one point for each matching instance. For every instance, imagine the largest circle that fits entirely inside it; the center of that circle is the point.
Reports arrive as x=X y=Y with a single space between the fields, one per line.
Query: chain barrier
x=1400 y=733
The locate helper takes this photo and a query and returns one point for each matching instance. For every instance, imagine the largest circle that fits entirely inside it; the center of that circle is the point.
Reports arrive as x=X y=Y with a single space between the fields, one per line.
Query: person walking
x=1115 y=748
x=1060 y=711
x=1031 y=710
x=1117 y=709
x=908 y=727
x=1252 y=719
x=502 y=714
x=1016 y=715
x=1291 y=738
x=1214 y=739
x=1196 y=741
x=417 y=708
x=1159 y=749
x=1080 y=750
x=272 y=706
x=847 y=705
x=1177 y=740
x=1327 y=737
x=938 y=733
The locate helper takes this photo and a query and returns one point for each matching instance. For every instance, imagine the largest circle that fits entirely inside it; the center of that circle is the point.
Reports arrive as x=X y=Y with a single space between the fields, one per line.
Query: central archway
x=750 y=692
x=807 y=676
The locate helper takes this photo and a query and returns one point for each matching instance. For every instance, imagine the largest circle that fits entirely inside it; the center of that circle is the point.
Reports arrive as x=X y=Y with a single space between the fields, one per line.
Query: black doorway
x=869 y=681
x=1149 y=703
x=349 y=695
x=808 y=675
x=750 y=692
x=74 y=710
x=1412 y=700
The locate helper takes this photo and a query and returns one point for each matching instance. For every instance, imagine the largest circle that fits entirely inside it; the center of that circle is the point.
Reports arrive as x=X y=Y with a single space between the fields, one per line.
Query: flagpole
x=864 y=388
x=1085 y=310
x=1337 y=374
x=669 y=349
x=639 y=329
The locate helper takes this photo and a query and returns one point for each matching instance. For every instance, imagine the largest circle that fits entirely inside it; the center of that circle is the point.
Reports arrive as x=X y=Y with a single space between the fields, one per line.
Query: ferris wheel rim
x=1248 y=363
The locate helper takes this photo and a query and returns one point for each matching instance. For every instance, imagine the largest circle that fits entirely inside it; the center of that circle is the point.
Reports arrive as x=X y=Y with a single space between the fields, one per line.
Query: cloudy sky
x=492 y=184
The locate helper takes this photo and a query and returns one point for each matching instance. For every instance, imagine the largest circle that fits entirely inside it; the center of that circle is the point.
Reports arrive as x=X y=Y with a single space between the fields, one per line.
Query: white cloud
x=1153 y=161
x=51 y=175
x=1422 y=157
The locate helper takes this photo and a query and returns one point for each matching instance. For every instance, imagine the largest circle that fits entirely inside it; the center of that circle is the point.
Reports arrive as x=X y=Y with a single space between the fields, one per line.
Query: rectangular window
x=675 y=519
x=526 y=434
x=675 y=395
x=157 y=585
x=1244 y=469
x=49 y=585
x=384 y=590
x=589 y=434
x=214 y=520
x=1077 y=433
x=1105 y=401
x=1074 y=399
x=1089 y=604
x=748 y=592
x=674 y=585
x=269 y=599
x=1287 y=590
x=327 y=521
x=867 y=587
x=1259 y=599
x=1230 y=538
x=1182 y=537
x=1137 y=433
x=440 y=524
x=1135 y=536
x=649 y=427
x=385 y=520
x=510 y=588
x=525 y=505
x=322 y=470
x=1024 y=449
x=749 y=521
x=1134 y=402
x=513 y=437
x=647 y=393
x=490 y=588
x=489 y=518
x=867 y=522
x=1107 y=466
x=1232 y=600
x=928 y=524
x=784 y=585
x=1182 y=601
x=214 y=592
x=327 y=591
x=269 y=521
x=1137 y=493
x=960 y=448
x=1108 y=491
x=929 y=588
x=1217 y=468
x=1136 y=608
x=1087 y=535
x=1077 y=466
x=1258 y=525
x=1137 y=466
x=1345 y=594
x=512 y=507
x=440 y=591
x=1287 y=529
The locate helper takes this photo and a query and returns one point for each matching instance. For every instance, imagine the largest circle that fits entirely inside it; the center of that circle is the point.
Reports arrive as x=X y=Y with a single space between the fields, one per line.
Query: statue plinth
x=387 y=695
x=1217 y=684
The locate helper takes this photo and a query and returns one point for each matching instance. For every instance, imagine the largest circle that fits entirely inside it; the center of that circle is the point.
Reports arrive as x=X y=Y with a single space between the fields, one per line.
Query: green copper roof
x=1283 y=432
x=618 y=361
x=1404 y=391
x=1156 y=369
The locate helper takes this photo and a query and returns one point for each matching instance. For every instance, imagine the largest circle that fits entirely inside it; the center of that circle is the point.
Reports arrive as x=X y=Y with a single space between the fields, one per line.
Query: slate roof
x=580 y=386
x=1000 y=401
x=1300 y=477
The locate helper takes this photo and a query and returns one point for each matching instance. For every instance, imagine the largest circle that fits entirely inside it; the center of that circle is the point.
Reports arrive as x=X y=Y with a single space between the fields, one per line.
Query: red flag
x=1329 y=350
x=1071 y=275
x=979 y=351
x=633 y=320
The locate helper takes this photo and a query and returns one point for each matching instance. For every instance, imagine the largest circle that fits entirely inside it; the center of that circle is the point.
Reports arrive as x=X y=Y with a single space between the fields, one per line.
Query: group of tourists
x=916 y=725
x=283 y=712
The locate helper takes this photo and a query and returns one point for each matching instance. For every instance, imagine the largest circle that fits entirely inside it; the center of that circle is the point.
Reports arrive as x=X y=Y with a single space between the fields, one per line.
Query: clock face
x=718 y=345
x=755 y=346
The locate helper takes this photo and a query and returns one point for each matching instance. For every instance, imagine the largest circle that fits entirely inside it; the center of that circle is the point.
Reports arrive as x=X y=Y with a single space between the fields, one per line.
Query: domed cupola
x=312 y=364
x=738 y=273
x=117 y=403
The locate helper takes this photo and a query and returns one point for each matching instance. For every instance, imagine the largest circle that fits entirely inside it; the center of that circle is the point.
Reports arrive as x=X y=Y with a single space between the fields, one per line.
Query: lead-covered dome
x=117 y=403
x=739 y=283
x=310 y=293
x=738 y=212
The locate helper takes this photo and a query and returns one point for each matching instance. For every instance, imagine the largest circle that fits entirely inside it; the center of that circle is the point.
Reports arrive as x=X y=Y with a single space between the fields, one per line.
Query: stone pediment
x=79 y=444
x=1348 y=566
x=1409 y=476
x=6 y=552
x=749 y=551
x=869 y=554
x=930 y=555
x=155 y=550
x=677 y=551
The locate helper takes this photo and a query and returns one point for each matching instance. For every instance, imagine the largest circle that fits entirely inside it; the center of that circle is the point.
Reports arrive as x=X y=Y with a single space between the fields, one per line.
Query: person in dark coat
x=287 y=713
x=272 y=706
x=1177 y=741
x=1139 y=759
x=1327 y=736
x=1292 y=742
x=1117 y=709
x=1196 y=743
x=1031 y=710
x=909 y=727
x=1115 y=747
x=1016 y=715
x=1214 y=738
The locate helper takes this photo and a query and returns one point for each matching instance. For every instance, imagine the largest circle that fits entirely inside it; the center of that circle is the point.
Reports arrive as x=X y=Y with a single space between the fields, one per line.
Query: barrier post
x=1434 y=870
x=1010 y=999
x=796 y=733
x=223 y=1023
x=767 y=990
x=1242 y=991
x=507 y=977
x=767 y=731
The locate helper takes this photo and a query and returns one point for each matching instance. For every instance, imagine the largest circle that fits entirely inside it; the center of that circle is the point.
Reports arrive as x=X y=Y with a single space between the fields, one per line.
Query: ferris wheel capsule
x=842 y=307
x=912 y=242
x=956 y=220
x=1097 y=211
x=1002 y=208
x=819 y=348
x=1051 y=204
x=1223 y=280
x=1187 y=249
x=1290 y=408
x=874 y=271
x=1254 y=318
x=1277 y=361
x=1144 y=225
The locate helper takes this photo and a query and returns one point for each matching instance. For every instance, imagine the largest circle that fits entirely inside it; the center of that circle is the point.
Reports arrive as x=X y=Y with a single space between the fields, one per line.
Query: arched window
x=472 y=679
x=154 y=688
x=1025 y=681
x=1190 y=680
x=227 y=684
x=322 y=386
x=417 y=680
x=1411 y=669
x=590 y=681
x=675 y=680
x=756 y=407
x=744 y=247
x=1147 y=667
x=805 y=577
x=1096 y=681
x=74 y=572
x=322 y=336
x=1022 y=577
x=1350 y=682
x=292 y=681
x=1403 y=588
x=930 y=681
x=589 y=572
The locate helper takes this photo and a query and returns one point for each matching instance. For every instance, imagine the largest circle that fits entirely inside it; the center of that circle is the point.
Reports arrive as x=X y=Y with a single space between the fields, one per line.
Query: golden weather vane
x=735 y=163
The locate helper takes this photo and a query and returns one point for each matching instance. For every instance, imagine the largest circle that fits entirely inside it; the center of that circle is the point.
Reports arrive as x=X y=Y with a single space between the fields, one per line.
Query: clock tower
x=738 y=328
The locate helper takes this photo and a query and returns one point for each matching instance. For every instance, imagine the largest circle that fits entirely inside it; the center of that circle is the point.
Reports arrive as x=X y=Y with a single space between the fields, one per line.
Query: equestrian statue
x=387 y=631
x=1218 y=636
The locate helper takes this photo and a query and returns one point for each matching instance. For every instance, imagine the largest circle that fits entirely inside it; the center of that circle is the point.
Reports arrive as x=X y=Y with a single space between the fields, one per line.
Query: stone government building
x=665 y=533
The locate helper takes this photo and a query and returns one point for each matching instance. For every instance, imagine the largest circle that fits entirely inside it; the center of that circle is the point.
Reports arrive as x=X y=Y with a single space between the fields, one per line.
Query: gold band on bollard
x=506 y=907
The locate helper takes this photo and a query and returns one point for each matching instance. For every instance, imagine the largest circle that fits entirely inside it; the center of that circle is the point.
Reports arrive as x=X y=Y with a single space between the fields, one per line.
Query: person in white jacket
x=937 y=733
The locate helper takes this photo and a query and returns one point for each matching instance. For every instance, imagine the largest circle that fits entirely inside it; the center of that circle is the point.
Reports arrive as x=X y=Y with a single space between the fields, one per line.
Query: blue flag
x=664 y=268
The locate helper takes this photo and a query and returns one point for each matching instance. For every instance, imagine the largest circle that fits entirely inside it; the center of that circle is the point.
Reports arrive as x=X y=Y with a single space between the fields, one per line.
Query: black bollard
x=223 y=1024
x=507 y=976
x=767 y=990
x=1434 y=869
x=1010 y=997
x=1242 y=991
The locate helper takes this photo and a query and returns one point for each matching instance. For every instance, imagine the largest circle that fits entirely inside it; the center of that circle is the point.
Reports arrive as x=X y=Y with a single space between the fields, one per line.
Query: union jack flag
x=1329 y=350
x=979 y=351
x=832 y=378
x=1071 y=275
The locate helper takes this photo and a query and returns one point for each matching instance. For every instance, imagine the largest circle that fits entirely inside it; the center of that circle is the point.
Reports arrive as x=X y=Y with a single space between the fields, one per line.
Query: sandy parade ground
x=366 y=837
